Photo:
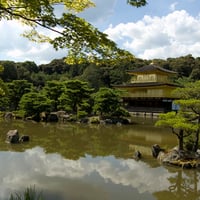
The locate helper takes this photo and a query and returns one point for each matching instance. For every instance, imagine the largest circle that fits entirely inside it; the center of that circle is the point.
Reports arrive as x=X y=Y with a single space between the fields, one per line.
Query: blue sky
x=162 y=29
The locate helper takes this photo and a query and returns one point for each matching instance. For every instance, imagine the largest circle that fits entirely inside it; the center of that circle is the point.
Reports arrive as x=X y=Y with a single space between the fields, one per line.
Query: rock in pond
x=137 y=155
x=13 y=137
x=24 y=138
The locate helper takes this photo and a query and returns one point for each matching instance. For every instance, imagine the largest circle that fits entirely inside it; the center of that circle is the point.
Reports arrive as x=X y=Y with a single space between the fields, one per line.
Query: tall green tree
x=195 y=74
x=2 y=92
x=10 y=71
x=16 y=89
x=55 y=66
x=190 y=105
x=76 y=97
x=38 y=79
x=187 y=118
x=4 y=102
x=179 y=125
x=107 y=102
x=53 y=90
x=33 y=103
x=93 y=75
x=25 y=69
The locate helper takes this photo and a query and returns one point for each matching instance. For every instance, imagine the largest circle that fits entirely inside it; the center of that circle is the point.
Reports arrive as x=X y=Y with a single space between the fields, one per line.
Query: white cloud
x=173 y=35
x=14 y=47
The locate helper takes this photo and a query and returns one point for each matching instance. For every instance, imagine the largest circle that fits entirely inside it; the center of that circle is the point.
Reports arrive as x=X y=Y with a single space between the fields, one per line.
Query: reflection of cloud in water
x=138 y=175
x=35 y=167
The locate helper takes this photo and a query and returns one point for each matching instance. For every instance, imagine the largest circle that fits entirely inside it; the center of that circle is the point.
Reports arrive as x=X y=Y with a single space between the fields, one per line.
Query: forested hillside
x=96 y=75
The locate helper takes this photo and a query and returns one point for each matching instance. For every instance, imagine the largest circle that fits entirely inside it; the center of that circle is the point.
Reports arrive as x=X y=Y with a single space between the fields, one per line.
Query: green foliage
x=187 y=120
x=107 y=102
x=182 y=81
x=38 y=79
x=102 y=75
x=187 y=67
x=195 y=74
x=38 y=12
x=2 y=88
x=121 y=112
x=82 y=114
x=190 y=91
x=182 y=65
x=76 y=96
x=53 y=90
x=137 y=3
x=25 y=69
x=189 y=143
x=93 y=75
x=33 y=103
x=190 y=106
x=10 y=71
x=83 y=41
x=179 y=125
x=80 y=37
x=4 y=103
x=176 y=121
x=1 y=69
x=57 y=66
x=16 y=89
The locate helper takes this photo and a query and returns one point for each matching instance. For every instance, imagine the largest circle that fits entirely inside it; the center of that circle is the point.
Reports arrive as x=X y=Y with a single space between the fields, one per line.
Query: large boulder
x=12 y=136
x=52 y=117
x=156 y=150
x=8 y=116
x=137 y=155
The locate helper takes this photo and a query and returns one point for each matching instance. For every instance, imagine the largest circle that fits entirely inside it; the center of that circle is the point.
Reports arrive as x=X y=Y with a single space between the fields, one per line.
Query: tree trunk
x=196 y=141
x=180 y=140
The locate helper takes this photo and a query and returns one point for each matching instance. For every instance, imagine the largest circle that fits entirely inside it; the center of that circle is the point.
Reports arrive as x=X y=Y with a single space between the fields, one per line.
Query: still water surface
x=92 y=162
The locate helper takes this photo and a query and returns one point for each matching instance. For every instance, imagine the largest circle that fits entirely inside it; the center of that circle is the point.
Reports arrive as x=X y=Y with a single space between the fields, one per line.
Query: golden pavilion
x=150 y=90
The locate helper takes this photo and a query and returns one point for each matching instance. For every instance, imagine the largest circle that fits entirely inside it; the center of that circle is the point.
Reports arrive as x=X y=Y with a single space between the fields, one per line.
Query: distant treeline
x=187 y=67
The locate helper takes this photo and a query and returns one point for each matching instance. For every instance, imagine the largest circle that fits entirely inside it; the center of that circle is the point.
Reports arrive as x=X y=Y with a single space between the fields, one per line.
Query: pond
x=92 y=162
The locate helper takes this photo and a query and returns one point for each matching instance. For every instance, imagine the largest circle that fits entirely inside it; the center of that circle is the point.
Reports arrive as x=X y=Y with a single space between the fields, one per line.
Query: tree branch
x=36 y=21
x=174 y=132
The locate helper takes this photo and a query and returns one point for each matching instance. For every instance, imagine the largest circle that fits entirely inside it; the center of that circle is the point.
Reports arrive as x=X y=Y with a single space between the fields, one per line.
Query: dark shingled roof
x=151 y=68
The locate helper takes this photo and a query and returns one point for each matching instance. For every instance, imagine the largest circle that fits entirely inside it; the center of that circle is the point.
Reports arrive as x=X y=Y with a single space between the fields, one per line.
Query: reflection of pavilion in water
x=142 y=137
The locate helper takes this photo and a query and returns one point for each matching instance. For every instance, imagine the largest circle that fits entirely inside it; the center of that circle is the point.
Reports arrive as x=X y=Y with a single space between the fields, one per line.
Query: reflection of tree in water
x=184 y=185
